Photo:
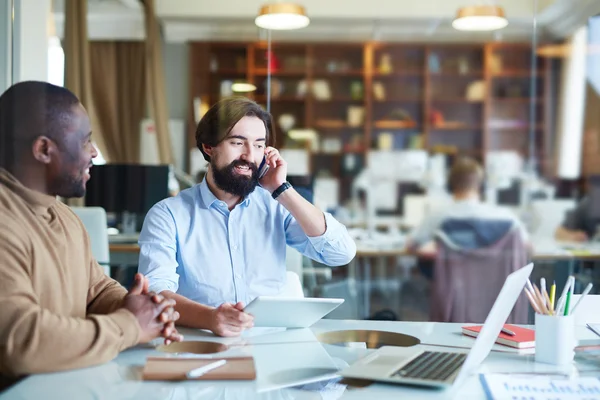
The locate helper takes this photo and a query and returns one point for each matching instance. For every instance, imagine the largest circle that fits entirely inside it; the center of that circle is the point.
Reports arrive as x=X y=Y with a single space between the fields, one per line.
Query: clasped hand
x=155 y=314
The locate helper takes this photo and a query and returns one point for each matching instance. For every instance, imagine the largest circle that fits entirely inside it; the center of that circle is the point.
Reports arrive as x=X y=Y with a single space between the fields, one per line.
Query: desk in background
x=374 y=261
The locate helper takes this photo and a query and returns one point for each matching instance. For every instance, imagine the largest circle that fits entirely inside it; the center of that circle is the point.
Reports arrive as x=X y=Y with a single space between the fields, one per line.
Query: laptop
x=290 y=312
x=414 y=366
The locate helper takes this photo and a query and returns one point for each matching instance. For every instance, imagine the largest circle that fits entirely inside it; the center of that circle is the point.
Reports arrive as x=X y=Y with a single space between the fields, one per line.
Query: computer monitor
x=129 y=190
x=304 y=184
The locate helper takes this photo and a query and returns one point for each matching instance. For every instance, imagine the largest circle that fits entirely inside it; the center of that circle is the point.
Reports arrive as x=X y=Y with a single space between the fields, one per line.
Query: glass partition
x=373 y=109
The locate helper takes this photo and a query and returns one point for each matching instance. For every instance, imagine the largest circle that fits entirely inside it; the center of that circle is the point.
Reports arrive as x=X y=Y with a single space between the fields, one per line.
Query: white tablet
x=290 y=312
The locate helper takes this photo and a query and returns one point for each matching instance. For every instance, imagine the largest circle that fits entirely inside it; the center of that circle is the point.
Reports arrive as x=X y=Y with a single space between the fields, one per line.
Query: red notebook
x=524 y=338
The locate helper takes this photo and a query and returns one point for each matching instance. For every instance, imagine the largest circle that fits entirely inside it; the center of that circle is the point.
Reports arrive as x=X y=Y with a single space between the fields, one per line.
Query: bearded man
x=218 y=245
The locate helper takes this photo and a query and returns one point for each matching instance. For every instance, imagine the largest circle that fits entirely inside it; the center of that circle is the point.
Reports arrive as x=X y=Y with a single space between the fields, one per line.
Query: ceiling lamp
x=242 y=87
x=480 y=18
x=282 y=16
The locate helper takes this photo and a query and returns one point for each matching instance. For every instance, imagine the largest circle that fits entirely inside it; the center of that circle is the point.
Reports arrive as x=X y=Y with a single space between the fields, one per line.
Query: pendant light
x=480 y=18
x=282 y=16
x=243 y=87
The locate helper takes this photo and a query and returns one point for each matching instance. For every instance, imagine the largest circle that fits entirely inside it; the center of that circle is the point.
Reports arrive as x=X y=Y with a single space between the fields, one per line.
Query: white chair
x=292 y=287
x=293 y=262
x=94 y=220
x=587 y=311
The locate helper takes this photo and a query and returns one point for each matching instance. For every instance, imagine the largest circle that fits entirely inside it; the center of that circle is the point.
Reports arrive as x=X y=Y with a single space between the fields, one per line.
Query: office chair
x=94 y=220
x=473 y=259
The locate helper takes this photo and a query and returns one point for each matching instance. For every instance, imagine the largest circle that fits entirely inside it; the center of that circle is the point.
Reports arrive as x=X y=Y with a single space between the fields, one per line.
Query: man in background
x=58 y=309
x=465 y=182
x=580 y=224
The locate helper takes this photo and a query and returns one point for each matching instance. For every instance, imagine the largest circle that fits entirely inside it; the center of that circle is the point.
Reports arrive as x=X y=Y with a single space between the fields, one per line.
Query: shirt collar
x=470 y=201
x=209 y=198
x=38 y=202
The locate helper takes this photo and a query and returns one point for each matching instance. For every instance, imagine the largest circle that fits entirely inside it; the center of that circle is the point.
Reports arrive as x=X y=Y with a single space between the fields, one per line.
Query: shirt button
x=235 y=247
x=238 y=276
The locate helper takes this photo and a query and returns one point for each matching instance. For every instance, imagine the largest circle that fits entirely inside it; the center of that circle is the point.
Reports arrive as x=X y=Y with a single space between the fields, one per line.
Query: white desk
x=120 y=379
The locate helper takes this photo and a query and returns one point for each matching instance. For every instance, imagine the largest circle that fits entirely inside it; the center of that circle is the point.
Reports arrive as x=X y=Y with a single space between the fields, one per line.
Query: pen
x=543 y=289
x=508 y=332
x=530 y=287
x=567 y=303
x=550 y=310
x=197 y=372
x=552 y=295
x=541 y=300
x=585 y=293
x=534 y=305
x=561 y=301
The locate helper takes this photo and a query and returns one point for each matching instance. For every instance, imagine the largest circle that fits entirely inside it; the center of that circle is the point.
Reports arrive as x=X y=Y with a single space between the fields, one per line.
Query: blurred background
x=373 y=104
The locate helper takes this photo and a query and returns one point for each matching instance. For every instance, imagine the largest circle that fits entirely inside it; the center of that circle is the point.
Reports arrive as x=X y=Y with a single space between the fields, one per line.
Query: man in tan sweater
x=58 y=310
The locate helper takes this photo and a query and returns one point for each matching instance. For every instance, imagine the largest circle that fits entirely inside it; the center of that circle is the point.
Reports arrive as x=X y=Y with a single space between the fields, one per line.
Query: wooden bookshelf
x=420 y=95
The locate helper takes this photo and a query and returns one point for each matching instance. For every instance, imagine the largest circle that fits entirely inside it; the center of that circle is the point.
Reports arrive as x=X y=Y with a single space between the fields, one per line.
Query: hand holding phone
x=263 y=168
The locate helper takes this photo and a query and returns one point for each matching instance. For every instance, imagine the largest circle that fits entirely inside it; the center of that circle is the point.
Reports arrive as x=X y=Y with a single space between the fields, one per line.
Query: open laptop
x=414 y=366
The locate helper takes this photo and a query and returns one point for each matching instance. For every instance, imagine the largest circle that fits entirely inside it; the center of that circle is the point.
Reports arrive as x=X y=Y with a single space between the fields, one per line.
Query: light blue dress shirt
x=193 y=245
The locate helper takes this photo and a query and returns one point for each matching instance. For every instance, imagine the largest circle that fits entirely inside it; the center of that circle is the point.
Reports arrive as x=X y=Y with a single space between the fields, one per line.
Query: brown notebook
x=175 y=369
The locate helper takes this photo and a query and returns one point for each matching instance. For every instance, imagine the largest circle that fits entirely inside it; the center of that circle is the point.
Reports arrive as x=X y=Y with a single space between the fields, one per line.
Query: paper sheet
x=498 y=386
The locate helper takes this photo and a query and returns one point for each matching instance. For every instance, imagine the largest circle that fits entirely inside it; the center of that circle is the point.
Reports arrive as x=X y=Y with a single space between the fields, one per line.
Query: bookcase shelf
x=434 y=96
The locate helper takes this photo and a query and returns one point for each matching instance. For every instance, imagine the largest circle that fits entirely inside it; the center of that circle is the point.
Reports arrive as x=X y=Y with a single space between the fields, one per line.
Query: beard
x=70 y=187
x=231 y=182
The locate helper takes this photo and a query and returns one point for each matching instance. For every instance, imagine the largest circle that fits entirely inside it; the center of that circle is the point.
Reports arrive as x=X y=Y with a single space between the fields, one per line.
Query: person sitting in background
x=220 y=244
x=59 y=309
x=465 y=182
x=579 y=225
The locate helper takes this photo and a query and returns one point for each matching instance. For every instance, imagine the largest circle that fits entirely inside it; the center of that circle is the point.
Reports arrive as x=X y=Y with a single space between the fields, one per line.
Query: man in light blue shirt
x=218 y=245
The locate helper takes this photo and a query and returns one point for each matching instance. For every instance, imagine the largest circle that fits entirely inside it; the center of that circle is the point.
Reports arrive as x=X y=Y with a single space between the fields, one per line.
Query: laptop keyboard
x=436 y=366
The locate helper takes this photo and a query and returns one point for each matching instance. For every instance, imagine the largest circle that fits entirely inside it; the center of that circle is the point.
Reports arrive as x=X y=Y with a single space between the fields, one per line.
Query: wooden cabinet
x=458 y=99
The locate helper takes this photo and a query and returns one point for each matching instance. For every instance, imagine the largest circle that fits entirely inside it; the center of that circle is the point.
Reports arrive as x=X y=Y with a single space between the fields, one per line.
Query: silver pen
x=508 y=332
x=197 y=372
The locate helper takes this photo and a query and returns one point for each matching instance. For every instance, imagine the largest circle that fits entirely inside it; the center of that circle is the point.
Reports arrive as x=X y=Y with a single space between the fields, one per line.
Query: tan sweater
x=58 y=310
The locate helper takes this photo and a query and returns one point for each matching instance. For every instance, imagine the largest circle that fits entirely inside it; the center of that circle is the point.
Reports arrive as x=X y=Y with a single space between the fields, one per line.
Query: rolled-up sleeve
x=158 y=249
x=334 y=247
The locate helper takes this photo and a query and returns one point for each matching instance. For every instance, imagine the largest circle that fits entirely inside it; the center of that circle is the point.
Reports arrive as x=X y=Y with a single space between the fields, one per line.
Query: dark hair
x=465 y=174
x=218 y=121
x=31 y=109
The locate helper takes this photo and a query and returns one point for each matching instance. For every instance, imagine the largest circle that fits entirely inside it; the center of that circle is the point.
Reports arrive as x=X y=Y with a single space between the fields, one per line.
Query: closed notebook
x=175 y=369
x=524 y=338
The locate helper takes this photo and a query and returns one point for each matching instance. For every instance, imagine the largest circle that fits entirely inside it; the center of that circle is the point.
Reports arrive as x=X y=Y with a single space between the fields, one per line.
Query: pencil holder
x=554 y=339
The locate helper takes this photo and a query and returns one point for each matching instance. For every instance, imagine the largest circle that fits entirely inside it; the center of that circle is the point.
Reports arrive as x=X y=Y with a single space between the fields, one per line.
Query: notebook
x=524 y=338
x=175 y=369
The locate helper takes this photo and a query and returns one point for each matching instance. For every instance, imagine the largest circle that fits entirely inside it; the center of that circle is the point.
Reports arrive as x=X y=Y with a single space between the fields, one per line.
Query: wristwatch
x=284 y=186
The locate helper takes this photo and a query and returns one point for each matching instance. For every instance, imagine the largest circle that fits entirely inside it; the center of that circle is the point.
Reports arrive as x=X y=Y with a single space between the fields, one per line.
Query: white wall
x=572 y=106
x=30 y=44
x=5 y=44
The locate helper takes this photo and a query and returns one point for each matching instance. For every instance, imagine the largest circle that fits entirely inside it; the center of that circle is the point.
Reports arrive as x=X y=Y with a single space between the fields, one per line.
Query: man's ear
x=208 y=149
x=43 y=149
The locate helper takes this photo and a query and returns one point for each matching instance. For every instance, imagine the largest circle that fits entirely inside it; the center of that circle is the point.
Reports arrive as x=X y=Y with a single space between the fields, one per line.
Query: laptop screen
x=513 y=287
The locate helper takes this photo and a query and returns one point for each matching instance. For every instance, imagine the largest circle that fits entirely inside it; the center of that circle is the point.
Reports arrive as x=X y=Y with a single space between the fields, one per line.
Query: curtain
x=591 y=149
x=591 y=141
x=119 y=91
x=77 y=65
x=155 y=83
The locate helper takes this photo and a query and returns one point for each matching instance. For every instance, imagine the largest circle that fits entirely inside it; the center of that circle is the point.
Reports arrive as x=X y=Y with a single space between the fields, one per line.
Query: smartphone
x=263 y=168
